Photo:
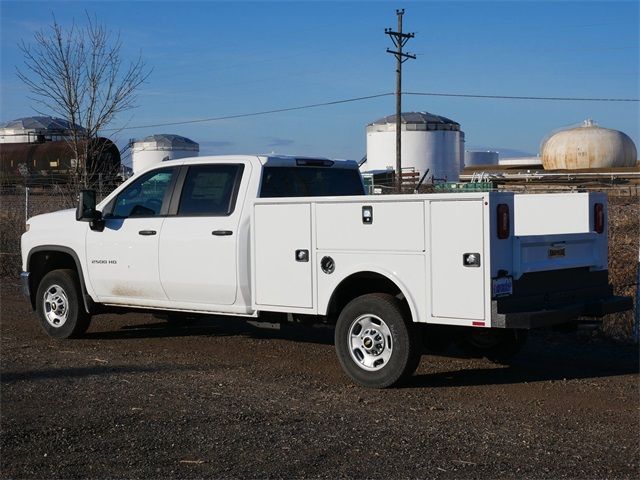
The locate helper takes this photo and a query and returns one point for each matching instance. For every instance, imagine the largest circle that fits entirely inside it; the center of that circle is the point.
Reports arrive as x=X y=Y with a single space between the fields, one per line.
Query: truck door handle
x=222 y=233
x=147 y=232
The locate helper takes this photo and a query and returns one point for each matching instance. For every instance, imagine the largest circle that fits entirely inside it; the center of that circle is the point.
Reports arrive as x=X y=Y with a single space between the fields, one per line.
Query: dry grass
x=11 y=227
x=624 y=242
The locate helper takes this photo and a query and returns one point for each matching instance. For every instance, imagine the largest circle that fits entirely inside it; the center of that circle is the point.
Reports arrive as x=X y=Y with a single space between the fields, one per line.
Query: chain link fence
x=18 y=202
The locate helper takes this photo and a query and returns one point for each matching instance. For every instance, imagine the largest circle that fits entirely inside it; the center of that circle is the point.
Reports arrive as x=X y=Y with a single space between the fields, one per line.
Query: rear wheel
x=497 y=345
x=377 y=344
x=59 y=305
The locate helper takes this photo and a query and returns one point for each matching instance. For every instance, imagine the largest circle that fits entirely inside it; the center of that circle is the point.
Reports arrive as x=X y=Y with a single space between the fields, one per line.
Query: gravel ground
x=218 y=398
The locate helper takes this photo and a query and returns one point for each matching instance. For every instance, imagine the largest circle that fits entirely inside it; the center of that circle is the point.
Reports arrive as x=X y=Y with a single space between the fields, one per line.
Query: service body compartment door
x=457 y=282
x=283 y=255
x=393 y=226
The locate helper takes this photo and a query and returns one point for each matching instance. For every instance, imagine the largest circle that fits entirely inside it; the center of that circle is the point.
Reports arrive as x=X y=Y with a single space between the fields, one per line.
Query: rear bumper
x=558 y=314
x=24 y=283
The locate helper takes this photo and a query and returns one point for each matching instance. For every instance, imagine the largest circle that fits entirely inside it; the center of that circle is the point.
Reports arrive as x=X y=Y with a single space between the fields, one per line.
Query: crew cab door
x=200 y=238
x=123 y=258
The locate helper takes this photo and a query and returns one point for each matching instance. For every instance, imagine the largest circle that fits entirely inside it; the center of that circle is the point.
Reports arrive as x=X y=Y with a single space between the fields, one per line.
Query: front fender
x=88 y=301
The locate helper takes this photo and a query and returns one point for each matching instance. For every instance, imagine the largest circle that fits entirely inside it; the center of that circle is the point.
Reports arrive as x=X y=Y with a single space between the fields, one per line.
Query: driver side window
x=144 y=197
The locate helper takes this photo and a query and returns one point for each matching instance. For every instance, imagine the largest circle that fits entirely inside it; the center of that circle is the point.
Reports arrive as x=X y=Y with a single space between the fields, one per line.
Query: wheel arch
x=364 y=281
x=46 y=258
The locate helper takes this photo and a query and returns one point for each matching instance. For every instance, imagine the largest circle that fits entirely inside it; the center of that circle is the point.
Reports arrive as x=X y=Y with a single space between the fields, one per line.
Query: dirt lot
x=218 y=398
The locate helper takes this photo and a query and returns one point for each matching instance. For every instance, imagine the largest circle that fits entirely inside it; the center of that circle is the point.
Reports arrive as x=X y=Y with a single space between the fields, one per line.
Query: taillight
x=598 y=217
x=503 y=221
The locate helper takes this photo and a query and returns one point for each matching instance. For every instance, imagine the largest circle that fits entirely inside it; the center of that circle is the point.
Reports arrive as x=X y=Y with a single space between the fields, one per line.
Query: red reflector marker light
x=598 y=217
x=503 y=221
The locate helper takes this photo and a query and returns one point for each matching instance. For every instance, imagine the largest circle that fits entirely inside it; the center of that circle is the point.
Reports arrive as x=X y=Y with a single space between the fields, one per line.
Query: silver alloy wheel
x=56 y=306
x=369 y=342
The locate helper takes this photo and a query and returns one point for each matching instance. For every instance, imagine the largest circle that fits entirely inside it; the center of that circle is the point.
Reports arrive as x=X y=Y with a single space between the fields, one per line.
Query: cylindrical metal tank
x=588 y=146
x=35 y=130
x=428 y=142
x=159 y=148
x=480 y=157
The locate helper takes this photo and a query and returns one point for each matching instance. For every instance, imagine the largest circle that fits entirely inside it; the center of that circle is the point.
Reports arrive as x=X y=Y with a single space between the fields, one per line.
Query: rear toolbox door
x=456 y=232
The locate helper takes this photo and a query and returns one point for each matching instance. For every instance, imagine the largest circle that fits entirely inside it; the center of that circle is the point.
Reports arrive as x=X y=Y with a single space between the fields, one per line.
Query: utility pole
x=399 y=40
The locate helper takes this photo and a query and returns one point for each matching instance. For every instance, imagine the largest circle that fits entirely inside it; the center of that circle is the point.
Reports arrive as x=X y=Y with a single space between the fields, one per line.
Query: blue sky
x=214 y=59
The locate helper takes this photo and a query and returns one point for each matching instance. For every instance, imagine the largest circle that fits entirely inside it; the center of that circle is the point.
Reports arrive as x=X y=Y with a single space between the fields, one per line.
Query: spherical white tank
x=159 y=148
x=480 y=157
x=588 y=146
x=428 y=142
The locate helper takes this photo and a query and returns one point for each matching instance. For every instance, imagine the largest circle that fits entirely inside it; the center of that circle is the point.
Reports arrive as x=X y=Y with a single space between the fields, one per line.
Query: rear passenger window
x=210 y=190
x=310 y=182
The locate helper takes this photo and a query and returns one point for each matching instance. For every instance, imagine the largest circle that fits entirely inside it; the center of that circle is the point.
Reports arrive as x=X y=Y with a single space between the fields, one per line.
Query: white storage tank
x=160 y=148
x=35 y=130
x=428 y=142
x=588 y=146
x=480 y=157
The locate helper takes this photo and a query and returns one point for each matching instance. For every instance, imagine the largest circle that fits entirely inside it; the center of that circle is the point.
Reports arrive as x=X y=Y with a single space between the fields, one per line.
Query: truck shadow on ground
x=548 y=356
x=521 y=371
x=215 y=327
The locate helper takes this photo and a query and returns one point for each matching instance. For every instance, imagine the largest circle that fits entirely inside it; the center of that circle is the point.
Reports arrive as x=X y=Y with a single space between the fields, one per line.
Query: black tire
x=406 y=346
x=496 y=345
x=61 y=289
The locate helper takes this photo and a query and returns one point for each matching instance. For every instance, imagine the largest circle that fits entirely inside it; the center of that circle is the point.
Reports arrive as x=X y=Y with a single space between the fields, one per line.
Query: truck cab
x=176 y=236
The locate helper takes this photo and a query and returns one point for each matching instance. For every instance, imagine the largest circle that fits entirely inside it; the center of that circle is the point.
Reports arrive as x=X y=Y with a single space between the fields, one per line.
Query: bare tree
x=78 y=74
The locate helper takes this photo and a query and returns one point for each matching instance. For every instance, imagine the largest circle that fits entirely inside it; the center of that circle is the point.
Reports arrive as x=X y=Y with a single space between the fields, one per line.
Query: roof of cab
x=275 y=160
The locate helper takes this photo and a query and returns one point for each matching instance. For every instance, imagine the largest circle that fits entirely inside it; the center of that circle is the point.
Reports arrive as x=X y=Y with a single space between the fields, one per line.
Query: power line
x=254 y=114
x=370 y=97
x=516 y=97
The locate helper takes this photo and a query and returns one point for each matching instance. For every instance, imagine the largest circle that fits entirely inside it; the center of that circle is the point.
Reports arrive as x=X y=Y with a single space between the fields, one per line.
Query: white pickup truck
x=251 y=235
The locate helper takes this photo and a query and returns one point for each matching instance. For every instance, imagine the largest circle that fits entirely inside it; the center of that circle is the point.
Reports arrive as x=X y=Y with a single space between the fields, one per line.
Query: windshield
x=310 y=182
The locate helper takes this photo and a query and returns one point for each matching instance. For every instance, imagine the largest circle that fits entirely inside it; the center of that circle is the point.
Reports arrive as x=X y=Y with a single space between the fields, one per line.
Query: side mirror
x=86 y=210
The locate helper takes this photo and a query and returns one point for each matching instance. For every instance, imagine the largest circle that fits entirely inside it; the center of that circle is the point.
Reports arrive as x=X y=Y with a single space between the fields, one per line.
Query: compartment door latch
x=471 y=259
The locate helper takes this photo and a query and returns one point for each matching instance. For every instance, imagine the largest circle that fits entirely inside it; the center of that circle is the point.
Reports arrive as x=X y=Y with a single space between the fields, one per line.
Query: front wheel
x=59 y=305
x=377 y=344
